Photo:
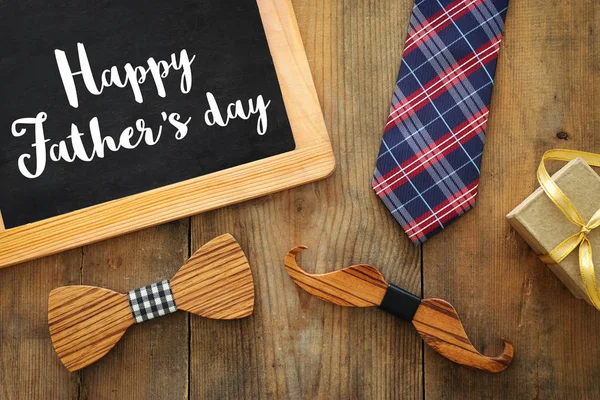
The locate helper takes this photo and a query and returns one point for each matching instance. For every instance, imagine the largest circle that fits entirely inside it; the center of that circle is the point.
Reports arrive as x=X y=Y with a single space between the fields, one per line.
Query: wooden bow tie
x=435 y=320
x=86 y=322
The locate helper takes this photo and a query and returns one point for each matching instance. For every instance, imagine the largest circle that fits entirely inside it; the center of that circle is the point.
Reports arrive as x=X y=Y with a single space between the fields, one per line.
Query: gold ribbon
x=579 y=239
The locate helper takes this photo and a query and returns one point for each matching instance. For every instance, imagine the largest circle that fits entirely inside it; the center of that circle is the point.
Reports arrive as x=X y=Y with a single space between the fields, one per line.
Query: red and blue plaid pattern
x=428 y=165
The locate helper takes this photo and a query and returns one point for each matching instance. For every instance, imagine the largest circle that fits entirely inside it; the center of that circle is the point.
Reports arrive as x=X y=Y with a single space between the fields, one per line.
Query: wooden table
x=295 y=346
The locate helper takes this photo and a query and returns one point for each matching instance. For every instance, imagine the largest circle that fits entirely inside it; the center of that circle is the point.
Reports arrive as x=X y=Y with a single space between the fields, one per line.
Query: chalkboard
x=105 y=99
x=121 y=115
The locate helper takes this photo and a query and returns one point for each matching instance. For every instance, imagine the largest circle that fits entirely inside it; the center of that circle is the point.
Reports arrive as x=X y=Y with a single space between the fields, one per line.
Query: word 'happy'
x=74 y=148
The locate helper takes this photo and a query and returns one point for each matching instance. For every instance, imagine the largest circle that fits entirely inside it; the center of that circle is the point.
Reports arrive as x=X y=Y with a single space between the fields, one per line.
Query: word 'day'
x=237 y=110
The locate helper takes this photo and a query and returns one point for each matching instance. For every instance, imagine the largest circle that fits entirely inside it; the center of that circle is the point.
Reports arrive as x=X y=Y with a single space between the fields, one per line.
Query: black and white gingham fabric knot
x=152 y=301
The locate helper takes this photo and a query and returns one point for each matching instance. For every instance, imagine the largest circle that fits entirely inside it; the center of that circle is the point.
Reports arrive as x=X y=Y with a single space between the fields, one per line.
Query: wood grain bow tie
x=86 y=322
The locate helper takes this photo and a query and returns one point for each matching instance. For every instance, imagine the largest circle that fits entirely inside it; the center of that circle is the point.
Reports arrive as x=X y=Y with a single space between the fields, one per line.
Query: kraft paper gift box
x=543 y=225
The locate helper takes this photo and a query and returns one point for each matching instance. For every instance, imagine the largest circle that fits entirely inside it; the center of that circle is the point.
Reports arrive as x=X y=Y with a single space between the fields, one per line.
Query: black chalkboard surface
x=109 y=98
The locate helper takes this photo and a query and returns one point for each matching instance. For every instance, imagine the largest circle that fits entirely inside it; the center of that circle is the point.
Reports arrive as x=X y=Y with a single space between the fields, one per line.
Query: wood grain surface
x=216 y=282
x=439 y=325
x=546 y=96
x=85 y=322
x=297 y=346
x=354 y=286
x=436 y=321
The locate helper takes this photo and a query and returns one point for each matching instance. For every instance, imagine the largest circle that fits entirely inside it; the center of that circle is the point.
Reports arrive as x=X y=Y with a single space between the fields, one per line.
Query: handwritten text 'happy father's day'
x=132 y=136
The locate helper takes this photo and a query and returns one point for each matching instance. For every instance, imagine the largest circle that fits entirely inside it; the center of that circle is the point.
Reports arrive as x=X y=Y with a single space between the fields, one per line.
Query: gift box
x=544 y=226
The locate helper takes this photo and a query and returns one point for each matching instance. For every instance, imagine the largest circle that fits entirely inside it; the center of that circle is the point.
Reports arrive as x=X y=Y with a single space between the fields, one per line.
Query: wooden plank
x=29 y=367
x=546 y=84
x=312 y=160
x=296 y=346
x=1 y=223
x=151 y=359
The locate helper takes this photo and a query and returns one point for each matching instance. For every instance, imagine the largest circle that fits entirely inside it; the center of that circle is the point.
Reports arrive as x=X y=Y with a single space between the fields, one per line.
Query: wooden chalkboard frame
x=312 y=160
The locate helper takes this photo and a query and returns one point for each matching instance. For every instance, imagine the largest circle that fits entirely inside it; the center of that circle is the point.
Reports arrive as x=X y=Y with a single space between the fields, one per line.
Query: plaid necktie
x=428 y=166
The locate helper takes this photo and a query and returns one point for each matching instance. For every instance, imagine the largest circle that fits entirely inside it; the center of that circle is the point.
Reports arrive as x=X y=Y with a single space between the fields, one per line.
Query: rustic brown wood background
x=547 y=95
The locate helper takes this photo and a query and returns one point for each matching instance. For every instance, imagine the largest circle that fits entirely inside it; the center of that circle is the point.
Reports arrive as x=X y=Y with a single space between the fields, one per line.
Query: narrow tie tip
x=429 y=162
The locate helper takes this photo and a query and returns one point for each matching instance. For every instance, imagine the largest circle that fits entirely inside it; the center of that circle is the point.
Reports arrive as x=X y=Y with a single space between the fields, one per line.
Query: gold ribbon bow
x=579 y=239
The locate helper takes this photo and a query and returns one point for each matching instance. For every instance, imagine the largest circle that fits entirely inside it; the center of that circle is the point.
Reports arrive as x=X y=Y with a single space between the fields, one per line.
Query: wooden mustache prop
x=86 y=322
x=435 y=320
